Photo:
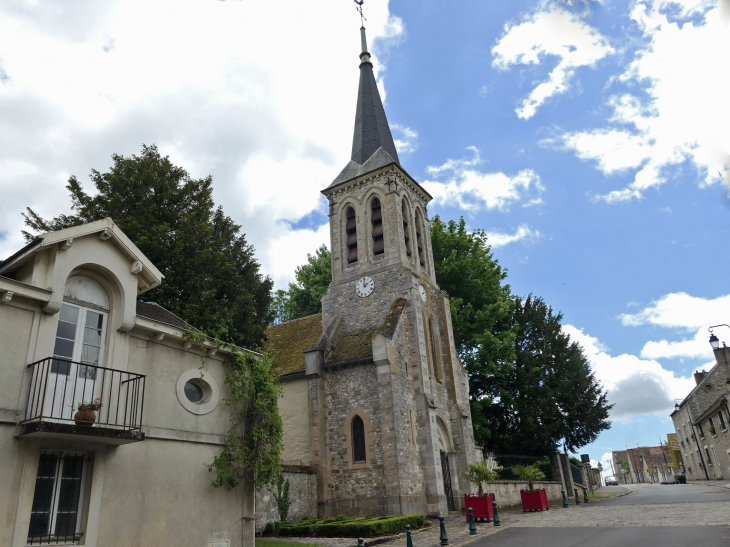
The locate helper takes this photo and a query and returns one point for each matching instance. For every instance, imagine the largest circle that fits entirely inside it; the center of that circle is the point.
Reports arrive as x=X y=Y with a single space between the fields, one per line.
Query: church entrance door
x=447 y=480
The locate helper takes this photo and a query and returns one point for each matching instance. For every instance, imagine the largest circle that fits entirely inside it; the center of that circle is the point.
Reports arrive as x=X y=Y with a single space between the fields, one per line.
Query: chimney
x=699 y=376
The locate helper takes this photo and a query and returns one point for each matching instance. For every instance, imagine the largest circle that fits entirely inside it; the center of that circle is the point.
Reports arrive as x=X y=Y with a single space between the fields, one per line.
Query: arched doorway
x=445 y=448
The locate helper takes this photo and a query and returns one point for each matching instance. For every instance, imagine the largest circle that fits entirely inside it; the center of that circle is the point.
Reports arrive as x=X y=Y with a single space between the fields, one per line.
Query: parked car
x=611 y=481
x=682 y=478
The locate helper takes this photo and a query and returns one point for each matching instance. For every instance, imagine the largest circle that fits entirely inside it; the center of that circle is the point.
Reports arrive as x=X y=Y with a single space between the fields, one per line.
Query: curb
x=385 y=539
x=707 y=484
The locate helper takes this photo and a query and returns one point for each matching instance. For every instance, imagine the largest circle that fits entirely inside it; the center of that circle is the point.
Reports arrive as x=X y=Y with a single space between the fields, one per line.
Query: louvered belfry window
x=419 y=239
x=377 y=220
x=406 y=231
x=358 y=439
x=351 y=232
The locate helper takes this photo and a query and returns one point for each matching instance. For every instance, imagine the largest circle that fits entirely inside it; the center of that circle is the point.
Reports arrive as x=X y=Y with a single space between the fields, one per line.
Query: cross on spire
x=359 y=10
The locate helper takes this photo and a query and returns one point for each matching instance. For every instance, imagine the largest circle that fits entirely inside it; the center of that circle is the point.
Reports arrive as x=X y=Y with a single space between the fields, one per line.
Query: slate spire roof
x=371 y=125
x=372 y=143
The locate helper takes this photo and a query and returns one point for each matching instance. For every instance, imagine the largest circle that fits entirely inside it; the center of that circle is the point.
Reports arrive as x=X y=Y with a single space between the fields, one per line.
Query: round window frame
x=210 y=387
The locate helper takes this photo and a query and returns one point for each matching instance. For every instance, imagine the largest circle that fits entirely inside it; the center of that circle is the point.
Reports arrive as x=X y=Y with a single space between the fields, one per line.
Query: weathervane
x=359 y=10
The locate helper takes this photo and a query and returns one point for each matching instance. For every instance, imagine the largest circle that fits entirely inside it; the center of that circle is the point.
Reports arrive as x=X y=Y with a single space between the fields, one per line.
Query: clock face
x=364 y=287
x=422 y=290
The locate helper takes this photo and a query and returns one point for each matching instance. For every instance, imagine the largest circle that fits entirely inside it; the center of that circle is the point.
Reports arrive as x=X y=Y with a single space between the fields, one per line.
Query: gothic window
x=377 y=220
x=406 y=231
x=434 y=351
x=419 y=239
x=358 y=439
x=712 y=426
x=351 y=232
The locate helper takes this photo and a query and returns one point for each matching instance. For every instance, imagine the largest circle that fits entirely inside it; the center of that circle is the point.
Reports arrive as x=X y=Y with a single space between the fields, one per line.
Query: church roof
x=356 y=345
x=287 y=342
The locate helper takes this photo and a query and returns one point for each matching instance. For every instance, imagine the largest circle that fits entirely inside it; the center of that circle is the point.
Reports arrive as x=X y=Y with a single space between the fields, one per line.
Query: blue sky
x=588 y=138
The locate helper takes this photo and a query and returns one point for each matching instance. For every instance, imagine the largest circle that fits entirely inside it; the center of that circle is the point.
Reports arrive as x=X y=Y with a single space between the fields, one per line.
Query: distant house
x=701 y=422
x=73 y=330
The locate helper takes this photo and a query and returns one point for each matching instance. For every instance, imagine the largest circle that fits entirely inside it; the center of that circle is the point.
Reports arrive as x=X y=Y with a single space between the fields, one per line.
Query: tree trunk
x=248 y=512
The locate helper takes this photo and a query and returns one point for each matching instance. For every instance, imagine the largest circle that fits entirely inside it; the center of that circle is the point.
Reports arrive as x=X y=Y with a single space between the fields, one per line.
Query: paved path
x=669 y=515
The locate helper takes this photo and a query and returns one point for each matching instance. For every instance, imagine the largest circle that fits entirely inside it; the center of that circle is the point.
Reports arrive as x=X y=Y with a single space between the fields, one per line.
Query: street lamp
x=714 y=340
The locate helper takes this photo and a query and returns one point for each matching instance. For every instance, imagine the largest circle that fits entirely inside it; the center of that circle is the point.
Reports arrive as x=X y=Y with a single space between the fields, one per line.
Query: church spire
x=371 y=126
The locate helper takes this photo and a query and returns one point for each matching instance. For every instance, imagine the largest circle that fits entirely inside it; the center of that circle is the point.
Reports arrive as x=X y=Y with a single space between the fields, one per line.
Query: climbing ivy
x=282 y=497
x=254 y=443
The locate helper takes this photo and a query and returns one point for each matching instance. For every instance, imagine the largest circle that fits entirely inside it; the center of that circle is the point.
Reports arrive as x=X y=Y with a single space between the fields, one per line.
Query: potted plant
x=532 y=500
x=86 y=412
x=480 y=504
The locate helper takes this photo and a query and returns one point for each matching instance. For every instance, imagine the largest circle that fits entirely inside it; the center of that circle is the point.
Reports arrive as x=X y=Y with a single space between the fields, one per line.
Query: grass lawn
x=277 y=543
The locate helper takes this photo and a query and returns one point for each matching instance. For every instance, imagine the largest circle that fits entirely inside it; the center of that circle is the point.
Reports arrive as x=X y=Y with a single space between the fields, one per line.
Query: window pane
x=60 y=367
x=92 y=337
x=358 y=439
x=90 y=354
x=66 y=330
x=94 y=320
x=69 y=314
x=63 y=348
x=40 y=517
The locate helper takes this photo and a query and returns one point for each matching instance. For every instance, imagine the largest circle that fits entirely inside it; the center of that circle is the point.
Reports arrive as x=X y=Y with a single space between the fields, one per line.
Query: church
x=376 y=400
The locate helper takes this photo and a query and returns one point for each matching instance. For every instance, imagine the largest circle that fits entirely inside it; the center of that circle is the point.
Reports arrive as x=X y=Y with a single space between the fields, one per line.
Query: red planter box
x=481 y=507
x=534 y=500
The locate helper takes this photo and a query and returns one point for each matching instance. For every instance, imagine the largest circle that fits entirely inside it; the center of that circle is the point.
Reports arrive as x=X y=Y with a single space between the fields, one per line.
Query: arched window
x=358 y=439
x=377 y=220
x=406 y=231
x=432 y=333
x=351 y=233
x=419 y=239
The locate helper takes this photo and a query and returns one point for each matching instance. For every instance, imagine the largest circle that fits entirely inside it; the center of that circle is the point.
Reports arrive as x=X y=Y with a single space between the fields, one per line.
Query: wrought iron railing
x=59 y=385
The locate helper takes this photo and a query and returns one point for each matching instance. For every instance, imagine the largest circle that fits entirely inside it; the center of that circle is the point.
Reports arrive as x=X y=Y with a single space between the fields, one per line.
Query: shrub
x=359 y=527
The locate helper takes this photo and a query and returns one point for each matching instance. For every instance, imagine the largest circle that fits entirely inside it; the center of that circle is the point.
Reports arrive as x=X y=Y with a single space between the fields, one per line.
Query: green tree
x=481 y=305
x=550 y=398
x=304 y=297
x=212 y=279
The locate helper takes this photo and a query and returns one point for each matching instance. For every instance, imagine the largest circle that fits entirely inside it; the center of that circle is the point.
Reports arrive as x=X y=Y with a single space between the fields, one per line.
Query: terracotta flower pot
x=85 y=417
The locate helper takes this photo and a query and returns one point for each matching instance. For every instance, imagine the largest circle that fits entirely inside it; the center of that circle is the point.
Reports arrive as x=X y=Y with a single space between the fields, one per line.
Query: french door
x=79 y=346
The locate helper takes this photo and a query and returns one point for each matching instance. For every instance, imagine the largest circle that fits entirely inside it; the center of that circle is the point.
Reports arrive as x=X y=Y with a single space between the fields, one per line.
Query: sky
x=588 y=138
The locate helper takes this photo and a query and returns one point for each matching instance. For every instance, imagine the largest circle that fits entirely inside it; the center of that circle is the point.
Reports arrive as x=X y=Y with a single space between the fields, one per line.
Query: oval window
x=194 y=391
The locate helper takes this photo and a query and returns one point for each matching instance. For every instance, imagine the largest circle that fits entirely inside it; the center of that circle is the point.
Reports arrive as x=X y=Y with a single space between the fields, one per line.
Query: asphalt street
x=651 y=494
x=647 y=536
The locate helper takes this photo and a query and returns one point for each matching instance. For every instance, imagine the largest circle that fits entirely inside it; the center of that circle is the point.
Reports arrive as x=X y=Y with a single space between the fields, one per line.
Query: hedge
x=356 y=527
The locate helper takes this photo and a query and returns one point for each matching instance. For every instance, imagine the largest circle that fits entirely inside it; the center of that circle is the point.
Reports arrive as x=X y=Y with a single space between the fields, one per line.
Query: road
x=655 y=515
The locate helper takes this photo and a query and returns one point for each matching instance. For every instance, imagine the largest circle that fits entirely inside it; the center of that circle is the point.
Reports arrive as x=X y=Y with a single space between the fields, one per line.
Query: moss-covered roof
x=351 y=346
x=287 y=342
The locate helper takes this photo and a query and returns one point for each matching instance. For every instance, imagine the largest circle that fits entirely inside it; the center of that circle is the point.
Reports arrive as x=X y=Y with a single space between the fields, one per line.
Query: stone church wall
x=354 y=489
x=302 y=496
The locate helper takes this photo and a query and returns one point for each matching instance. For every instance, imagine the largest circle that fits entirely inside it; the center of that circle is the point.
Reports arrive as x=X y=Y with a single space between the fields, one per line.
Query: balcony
x=58 y=386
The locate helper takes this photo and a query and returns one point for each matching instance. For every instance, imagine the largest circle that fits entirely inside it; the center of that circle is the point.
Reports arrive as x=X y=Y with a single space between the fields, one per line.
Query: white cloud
x=472 y=190
x=213 y=84
x=680 y=310
x=684 y=112
x=636 y=386
x=684 y=312
x=405 y=138
x=523 y=233
x=555 y=33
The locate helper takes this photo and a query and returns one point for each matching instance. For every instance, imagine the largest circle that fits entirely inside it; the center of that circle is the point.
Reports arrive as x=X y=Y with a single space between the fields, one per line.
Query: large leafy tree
x=550 y=398
x=304 y=297
x=481 y=306
x=212 y=279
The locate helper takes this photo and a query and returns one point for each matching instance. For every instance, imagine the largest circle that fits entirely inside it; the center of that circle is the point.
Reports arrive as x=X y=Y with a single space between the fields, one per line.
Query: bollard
x=565 y=499
x=577 y=497
x=360 y=542
x=585 y=495
x=497 y=522
x=472 y=526
x=409 y=541
x=444 y=537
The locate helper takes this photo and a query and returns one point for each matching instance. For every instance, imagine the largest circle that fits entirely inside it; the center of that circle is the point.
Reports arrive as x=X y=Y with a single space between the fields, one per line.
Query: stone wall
x=508 y=492
x=302 y=496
